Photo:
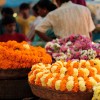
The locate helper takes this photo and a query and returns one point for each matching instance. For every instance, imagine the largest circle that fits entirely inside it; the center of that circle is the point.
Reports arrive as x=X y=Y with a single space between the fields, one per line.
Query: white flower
x=53 y=68
x=75 y=72
x=43 y=78
x=54 y=74
x=80 y=79
x=91 y=54
x=69 y=55
x=63 y=70
x=57 y=84
x=38 y=75
x=96 y=89
x=62 y=76
x=70 y=78
x=70 y=85
x=68 y=51
x=49 y=44
x=49 y=83
x=82 y=86
x=96 y=86
x=84 y=52
x=90 y=51
x=65 y=63
x=61 y=57
x=38 y=66
x=93 y=81
x=60 y=62
x=68 y=43
x=56 y=44
x=86 y=72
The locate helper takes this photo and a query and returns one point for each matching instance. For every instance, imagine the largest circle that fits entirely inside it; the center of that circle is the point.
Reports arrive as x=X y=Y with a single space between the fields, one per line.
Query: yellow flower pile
x=21 y=55
x=71 y=76
x=96 y=89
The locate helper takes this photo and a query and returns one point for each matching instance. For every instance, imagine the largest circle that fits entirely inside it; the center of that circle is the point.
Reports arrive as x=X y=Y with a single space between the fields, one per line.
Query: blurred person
x=35 y=22
x=68 y=19
x=42 y=8
x=9 y=23
x=7 y=11
x=80 y=2
x=47 y=6
x=24 y=18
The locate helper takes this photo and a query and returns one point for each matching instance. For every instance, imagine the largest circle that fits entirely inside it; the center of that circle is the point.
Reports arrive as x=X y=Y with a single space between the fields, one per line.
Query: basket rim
x=58 y=91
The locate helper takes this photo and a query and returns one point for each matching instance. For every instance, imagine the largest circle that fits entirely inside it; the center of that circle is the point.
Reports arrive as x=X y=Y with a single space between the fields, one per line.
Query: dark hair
x=35 y=8
x=47 y=4
x=7 y=11
x=8 y=20
x=24 y=6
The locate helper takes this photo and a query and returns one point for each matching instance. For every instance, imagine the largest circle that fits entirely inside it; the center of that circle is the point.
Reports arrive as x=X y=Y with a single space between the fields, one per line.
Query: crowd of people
x=48 y=21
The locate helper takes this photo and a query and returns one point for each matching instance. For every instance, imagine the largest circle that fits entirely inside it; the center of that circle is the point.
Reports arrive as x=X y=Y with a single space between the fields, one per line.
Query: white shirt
x=33 y=25
x=68 y=19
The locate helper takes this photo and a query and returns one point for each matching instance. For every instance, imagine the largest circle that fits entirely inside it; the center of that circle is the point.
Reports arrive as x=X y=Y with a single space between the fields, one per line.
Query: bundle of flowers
x=71 y=76
x=21 y=55
x=73 y=47
x=96 y=90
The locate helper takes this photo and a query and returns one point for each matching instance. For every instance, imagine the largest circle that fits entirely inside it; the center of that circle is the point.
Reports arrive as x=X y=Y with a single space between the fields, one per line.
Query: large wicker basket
x=14 y=73
x=50 y=94
x=14 y=84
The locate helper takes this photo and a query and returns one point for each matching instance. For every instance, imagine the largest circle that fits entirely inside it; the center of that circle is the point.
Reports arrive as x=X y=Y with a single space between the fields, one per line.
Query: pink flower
x=63 y=48
x=78 y=45
x=84 y=57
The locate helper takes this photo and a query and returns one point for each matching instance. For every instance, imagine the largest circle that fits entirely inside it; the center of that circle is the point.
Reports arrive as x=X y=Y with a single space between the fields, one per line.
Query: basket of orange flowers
x=71 y=80
x=16 y=60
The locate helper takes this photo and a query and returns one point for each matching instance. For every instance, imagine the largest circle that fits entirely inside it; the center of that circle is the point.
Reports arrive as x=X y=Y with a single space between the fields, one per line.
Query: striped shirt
x=68 y=19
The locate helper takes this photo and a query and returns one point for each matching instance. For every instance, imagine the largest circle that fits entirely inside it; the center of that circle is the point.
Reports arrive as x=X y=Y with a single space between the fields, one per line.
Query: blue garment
x=96 y=37
x=39 y=42
x=16 y=3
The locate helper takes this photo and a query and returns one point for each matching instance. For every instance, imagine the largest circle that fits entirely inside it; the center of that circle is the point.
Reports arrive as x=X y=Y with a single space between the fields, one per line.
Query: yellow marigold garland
x=66 y=76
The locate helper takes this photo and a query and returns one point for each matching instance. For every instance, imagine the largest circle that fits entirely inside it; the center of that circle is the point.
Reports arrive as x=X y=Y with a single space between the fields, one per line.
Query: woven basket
x=14 y=73
x=50 y=94
x=14 y=84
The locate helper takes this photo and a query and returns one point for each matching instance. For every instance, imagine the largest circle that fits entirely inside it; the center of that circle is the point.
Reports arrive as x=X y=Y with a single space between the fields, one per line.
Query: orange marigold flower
x=80 y=73
x=63 y=85
x=70 y=71
x=21 y=55
x=88 y=84
x=76 y=65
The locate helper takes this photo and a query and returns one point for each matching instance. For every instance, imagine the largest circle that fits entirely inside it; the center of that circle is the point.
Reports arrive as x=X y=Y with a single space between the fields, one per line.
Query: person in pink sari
x=81 y=2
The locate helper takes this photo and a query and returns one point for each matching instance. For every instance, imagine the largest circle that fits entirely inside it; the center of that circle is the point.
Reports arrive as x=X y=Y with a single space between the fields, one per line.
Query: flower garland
x=21 y=55
x=69 y=76
x=73 y=47
x=96 y=89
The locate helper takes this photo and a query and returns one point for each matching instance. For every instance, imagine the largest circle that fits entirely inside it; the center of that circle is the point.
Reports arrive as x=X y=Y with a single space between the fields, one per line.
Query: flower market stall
x=16 y=60
x=66 y=69
x=75 y=73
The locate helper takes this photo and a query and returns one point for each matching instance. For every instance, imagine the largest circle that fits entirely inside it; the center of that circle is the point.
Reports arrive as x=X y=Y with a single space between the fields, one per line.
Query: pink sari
x=81 y=2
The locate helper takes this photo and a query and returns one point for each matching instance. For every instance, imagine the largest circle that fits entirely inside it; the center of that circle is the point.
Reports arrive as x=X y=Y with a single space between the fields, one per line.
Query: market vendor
x=68 y=19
